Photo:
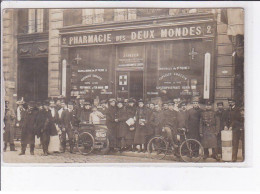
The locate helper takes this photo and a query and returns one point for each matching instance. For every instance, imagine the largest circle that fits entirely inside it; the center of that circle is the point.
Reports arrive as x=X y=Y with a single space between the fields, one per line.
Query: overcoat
x=9 y=130
x=182 y=119
x=29 y=127
x=193 y=119
x=156 y=122
x=130 y=134
x=84 y=115
x=122 y=127
x=233 y=118
x=111 y=115
x=53 y=122
x=208 y=129
x=140 y=132
x=149 y=128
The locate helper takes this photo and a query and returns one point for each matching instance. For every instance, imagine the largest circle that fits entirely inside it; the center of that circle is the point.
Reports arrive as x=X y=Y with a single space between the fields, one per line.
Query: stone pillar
x=224 y=83
x=10 y=60
x=54 y=61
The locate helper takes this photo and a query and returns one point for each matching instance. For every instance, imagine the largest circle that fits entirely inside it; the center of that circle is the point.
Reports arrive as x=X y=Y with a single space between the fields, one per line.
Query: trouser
x=171 y=136
x=68 y=132
x=112 y=136
x=235 y=143
x=243 y=143
x=219 y=148
x=23 y=146
x=206 y=152
x=45 y=139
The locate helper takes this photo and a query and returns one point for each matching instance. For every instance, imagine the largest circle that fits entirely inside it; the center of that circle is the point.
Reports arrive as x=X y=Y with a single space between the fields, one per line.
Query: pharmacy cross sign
x=192 y=53
x=123 y=80
x=77 y=59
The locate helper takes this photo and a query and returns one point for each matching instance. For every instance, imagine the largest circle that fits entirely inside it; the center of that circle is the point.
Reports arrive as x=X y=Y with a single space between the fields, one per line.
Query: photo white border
x=251 y=11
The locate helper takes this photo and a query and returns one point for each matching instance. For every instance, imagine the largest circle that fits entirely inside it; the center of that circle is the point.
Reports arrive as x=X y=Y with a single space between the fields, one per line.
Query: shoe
x=45 y=154
x=22 y=153
x=205 y=157
x=32 y=153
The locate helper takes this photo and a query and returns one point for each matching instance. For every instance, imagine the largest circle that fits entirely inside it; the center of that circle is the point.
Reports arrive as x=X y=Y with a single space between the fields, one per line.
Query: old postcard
x=128 y=85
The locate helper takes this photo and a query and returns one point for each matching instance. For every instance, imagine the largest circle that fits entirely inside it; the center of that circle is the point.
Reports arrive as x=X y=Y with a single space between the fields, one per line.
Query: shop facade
x=170 y=57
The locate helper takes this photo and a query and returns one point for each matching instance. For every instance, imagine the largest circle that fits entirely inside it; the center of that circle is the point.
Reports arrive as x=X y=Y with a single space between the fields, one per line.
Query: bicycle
x=188 y=150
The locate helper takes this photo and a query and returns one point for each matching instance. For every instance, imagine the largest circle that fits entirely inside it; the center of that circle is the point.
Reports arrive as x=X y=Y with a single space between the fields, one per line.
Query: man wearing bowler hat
x=29 y=129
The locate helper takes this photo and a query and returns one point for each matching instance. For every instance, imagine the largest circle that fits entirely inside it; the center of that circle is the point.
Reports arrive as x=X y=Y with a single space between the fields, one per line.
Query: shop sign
x=159 y=33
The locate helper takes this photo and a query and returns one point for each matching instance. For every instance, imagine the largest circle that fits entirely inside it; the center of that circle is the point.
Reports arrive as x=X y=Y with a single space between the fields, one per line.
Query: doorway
x=33 y=79
x=130 y=84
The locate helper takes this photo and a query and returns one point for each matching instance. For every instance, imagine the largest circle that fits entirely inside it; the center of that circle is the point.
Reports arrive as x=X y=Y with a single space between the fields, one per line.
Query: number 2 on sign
x=208 y=29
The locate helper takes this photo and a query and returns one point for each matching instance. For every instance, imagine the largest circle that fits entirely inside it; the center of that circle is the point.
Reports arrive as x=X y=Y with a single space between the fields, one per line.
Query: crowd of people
x=130 y=123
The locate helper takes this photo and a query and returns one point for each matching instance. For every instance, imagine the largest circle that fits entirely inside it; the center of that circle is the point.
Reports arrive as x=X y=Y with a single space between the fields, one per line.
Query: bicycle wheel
x=191 y=150
x=85 y=143
x=157 y=148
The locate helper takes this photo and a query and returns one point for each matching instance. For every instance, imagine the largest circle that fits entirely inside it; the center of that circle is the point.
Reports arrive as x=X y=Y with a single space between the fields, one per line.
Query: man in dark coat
x=121 y=125
x=234 y=124
x=28 y=129
x=9 y=129
x=149 y=129
x=141 y=125
x=182 y=116
x=67 y=124
x=193 y=119
x=156 y=120
x=111 y=123
x=209 y=131
x=45 y=126
x=170 y=123
x=129 y=137
x=221 y=116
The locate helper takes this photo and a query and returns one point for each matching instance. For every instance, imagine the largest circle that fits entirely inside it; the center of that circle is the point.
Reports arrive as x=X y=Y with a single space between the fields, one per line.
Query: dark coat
x=149 y=128
x=53 y=122
x=84 y=115
x=45 y=125
x=208 y=129
x=122 y=127
x=67 y=119
x=130 y=134
x=193 y=119
x=156 y=122
x=233 y=118
x=112 y=125
x=169 y=118
x=29 y=127
x=141 y=131
x=182 y=117
x=221 y=116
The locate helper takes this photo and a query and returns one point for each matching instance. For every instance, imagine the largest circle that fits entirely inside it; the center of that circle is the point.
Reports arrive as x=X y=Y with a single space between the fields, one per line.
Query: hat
x=20 y=102
x=126 y=100
x=231 y=100
x=45 y=103
x=183 y=104
x=103 y=102
x=220 y=103
x=120 y=101
x=87 y=103
x=164 y=103
x=52 y=103
x=141 y=100
x=112 y=99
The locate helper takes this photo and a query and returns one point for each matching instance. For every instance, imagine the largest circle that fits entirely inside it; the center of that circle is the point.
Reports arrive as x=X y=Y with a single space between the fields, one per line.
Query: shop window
x=72 y=17
x=108 y=15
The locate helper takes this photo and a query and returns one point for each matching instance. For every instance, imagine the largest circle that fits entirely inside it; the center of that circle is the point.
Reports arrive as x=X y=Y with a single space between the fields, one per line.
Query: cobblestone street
x=13 y=157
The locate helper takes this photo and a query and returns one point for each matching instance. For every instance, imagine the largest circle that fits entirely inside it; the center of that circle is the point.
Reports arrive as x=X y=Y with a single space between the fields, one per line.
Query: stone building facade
x=33 y=41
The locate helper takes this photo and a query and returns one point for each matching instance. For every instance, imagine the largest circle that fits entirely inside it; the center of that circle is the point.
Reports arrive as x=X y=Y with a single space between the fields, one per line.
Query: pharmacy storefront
x=170 y=57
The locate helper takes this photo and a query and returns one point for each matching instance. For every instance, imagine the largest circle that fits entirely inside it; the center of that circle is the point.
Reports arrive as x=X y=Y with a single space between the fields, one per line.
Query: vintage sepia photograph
x=130 y=85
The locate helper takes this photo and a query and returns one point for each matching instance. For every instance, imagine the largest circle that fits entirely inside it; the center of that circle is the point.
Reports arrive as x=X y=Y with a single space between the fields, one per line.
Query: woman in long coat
x=141 y=124
x=209 y=131
x=121 y=125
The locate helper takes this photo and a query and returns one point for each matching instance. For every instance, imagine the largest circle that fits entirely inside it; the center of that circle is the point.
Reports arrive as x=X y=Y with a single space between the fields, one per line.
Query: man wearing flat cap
x=29 y=129
x=193 y=119
x=209 y=131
